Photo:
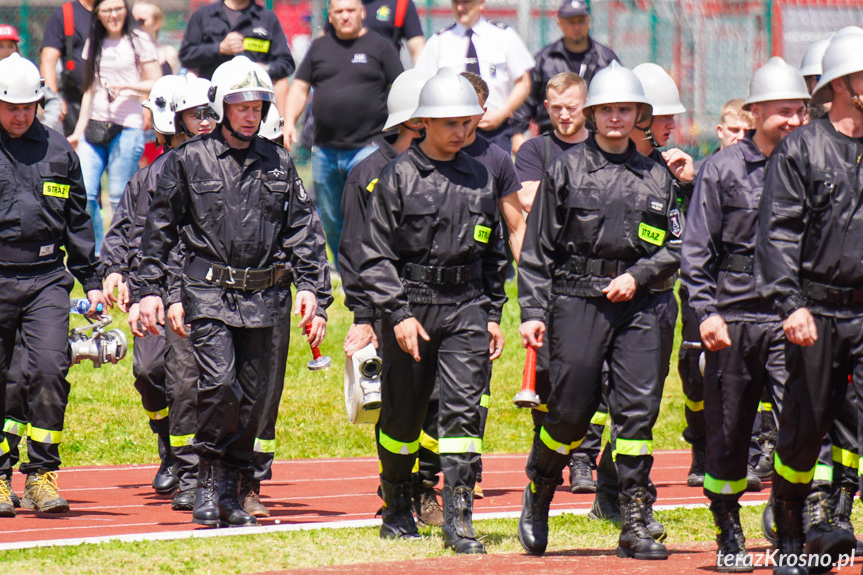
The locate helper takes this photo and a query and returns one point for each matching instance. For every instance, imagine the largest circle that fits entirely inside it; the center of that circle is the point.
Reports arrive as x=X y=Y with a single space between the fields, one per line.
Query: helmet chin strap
x=648 y=135
x=236 y=134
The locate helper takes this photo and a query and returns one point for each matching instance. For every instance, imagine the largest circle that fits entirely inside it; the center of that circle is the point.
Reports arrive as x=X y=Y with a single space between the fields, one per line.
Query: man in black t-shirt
x=575 y=52
x=381 y=17
x=351 y=72
x=61 y=113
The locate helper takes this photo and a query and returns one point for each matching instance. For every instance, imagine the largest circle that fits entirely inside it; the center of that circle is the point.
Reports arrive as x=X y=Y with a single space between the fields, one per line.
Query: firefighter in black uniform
x=179 y=108
x=42 y=201
x=741 y=332
x=433 y=265
x=604 y=227
x=235 y=259
x=808 y=262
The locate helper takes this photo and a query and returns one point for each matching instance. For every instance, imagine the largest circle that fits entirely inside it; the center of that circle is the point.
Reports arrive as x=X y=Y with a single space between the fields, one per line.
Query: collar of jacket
x=557 y=47
x=424 y=163
x=477 y=28
x=387 y=149
x=221 y=147
x=750 y=151
x=35 y=132
x=595 y=160
x=252 y=9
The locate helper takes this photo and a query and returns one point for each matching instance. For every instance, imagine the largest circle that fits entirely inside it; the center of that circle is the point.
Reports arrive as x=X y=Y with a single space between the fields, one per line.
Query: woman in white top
x=121 y=66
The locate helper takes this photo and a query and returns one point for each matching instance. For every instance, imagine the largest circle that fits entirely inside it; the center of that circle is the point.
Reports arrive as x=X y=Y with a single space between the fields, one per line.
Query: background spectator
x=150 y=17
x=381 y=18
x=62 y=113
x=8 y=41
x=351 y=72
x=120 y=66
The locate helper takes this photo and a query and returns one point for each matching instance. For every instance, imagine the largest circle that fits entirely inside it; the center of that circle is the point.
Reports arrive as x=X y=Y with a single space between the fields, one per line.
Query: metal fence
x=710 y=47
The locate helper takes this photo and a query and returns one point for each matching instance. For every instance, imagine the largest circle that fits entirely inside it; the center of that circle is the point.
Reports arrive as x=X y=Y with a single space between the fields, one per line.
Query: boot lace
x=5 y=491
x=48 y=483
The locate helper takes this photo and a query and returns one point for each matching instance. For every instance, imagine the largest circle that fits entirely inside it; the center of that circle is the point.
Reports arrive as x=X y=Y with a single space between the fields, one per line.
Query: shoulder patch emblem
x=442 y=30
x=301 y=191
x=500 y=25
x=674 y=220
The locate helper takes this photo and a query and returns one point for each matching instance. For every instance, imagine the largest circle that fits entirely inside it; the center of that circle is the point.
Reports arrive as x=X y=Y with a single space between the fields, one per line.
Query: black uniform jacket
x=551 y=61
x=810 y=216
x=359 y=187
x=249 y=216
x=723 y=219
x=43 y=207
x=418 y=215
x=589 y=207
x=264 y=40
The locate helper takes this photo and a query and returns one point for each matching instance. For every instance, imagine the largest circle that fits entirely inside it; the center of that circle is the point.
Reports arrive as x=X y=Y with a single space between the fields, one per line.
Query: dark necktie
x=471 y=61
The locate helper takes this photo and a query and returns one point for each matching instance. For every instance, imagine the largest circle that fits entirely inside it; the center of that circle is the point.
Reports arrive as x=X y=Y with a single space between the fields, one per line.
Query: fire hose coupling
x=363 y=386
x=99 y=347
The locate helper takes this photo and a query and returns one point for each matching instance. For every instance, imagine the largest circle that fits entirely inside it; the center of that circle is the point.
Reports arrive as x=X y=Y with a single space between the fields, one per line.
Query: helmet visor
x=249 y=96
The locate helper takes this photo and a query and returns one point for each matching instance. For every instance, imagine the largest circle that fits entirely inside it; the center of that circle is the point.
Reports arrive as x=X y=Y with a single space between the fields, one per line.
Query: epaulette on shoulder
x=448 y=28
x=500 y=25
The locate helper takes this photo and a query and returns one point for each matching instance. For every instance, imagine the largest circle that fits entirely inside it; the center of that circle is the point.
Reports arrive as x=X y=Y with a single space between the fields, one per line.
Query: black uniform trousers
x=234 y=372
x=734 y=378
x=584 y=333
x=181 y=391
x=843 y=443
x=816 y=389
x=148 y=368
x=38 y=306
x=457 y=356
x=265 y=439
x=690 y=375
x=15 y=426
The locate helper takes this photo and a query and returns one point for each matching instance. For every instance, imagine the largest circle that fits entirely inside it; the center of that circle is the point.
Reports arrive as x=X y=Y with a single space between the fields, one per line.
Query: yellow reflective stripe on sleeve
x=264 y=445
x=722 y=486
x=542 y=407
x=599 y=418
x=460 y=444
x=181 y=440
x=45 y=435
x=485 y=400
x=845 y=457
x=792 y=475
x=381 y=466
x=633 y=447
x=371 y=187
x=557 y=446
x=765 y=406
x=693 y=405
x=428 y=442
x=157 y=415
x=13 y=427
x=398 y=447
x=823 y=473
x=4 y=447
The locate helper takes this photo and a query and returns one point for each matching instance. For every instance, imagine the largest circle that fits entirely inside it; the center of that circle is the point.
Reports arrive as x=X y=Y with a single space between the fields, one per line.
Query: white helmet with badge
x=160 y=104
x=239 y=80
x=616 y=84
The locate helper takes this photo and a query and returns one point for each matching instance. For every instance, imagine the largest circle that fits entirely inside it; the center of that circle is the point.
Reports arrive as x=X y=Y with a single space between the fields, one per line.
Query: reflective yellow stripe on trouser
x=632 y=447
x=765 y=406
x=846 y=458
x=792 y=475
x=722 y=486
x=45 y=435
x=181 y=440
x=13 y=427
x=264 y=445
x=485 y=400
x=157 y=415
x=429 y=443
x=398 y=447
x=599 y=418
x=557 y=446
x=693 y=405
x=460 y=445
x=823 y=473
x=4 y=447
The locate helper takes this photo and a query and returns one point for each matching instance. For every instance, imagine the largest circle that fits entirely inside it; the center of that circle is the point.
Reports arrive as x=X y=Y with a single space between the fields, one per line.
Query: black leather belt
x=442 y=275
x=28 y=253
x=597 y=267
x=240 y=279
x=737 y=263
x=829 y=294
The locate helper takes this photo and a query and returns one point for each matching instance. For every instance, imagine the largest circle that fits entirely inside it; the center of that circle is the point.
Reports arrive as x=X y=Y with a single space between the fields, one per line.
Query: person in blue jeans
x=121 y=64
x=351 y=72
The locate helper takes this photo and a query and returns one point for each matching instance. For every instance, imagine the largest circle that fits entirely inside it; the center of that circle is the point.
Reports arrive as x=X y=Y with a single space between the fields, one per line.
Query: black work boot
x=206 y=510
x=166 y=479
x=635 y=541
x=250 y=497
x=397 y=519
x=731 y=555
x=605 y=506
x=695 y=478
x=842 y=501
x=822 y=537
x=764 y=468
x=458 y=532
x=231 y=512
x=184 y=500
x=533 y=523
x=768 y=525
x=654 y=527
x=581 y=475
x=788 y=519
x=753 y=482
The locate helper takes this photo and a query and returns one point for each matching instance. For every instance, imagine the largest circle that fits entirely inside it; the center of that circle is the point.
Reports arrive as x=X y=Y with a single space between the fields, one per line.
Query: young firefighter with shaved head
x=604 y=227
x=740 y=330
x=433 y=266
